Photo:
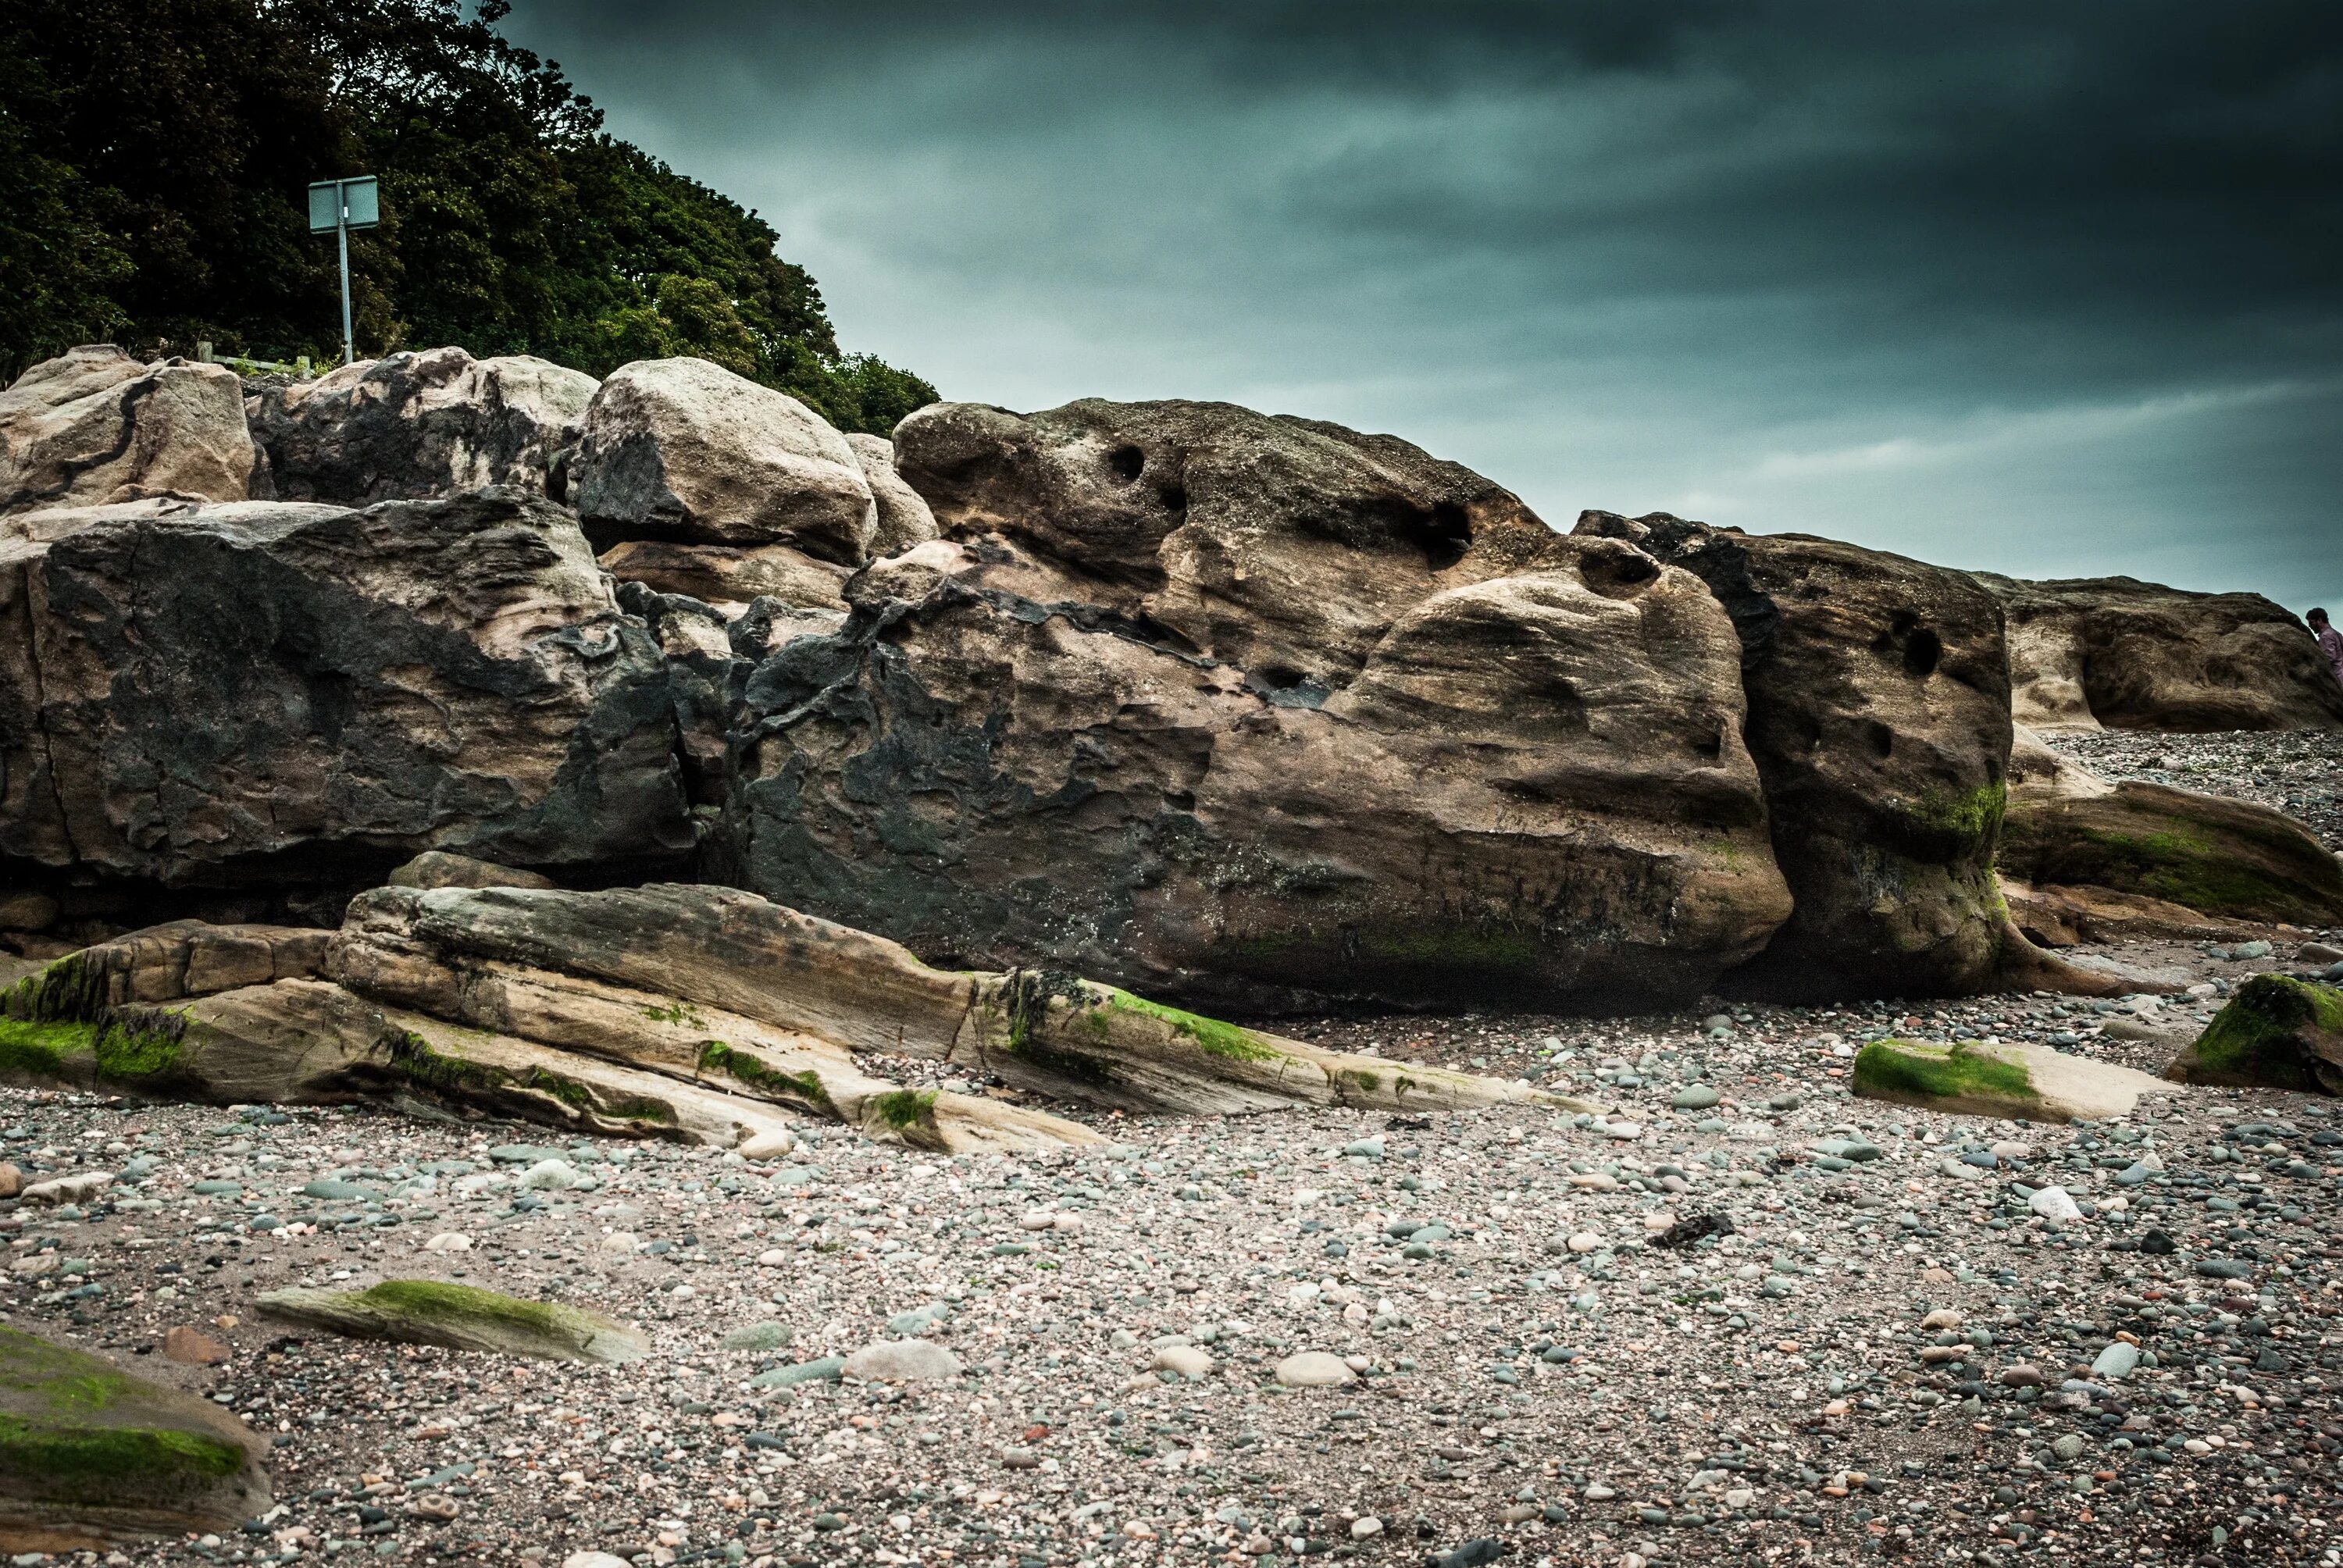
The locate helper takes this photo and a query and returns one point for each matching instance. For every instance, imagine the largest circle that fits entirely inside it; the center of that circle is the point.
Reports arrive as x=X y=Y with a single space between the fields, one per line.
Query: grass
x=905 y=1108
x=2256 y=1041
x=1913 y=1069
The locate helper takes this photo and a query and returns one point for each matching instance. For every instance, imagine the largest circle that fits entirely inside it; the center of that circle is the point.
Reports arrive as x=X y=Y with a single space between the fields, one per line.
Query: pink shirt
x=2330 y=643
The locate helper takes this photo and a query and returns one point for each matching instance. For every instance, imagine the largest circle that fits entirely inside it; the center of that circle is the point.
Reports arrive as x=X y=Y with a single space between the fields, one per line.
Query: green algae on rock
x=462 y=1318
x=2276 y=1032
x=90 y=1455
x=1999 y=1079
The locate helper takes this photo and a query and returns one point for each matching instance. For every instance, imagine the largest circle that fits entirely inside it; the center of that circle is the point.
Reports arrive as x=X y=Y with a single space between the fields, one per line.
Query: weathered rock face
x=685 y=456
x=1527 y=786
x=413 y=426
x=2003 y=1079
x=275 y=694
x=2067 y=827
x=461 y=1318
x=91 y=1456
x=2118 y=653
x=96 y=426
x=904 y=519
x=696 y=1013
x=1879 y=719
x=1283 y=546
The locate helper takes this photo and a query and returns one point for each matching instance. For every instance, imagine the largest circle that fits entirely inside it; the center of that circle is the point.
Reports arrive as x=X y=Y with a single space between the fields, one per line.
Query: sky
x=2043 y=287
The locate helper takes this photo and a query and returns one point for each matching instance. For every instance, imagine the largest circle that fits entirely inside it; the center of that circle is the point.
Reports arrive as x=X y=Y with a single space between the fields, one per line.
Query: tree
x=156 y=152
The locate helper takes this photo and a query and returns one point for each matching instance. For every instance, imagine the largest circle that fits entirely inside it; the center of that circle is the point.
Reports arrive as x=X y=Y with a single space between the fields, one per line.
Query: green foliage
x=905 y=1108
x=1911 y=1071
x=154 y=156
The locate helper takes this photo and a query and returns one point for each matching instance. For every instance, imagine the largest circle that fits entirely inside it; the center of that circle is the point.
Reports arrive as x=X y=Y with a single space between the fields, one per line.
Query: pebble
x=903 y=1361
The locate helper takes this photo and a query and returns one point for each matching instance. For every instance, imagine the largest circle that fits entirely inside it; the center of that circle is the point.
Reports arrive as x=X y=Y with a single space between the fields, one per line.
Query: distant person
x=2330 y=641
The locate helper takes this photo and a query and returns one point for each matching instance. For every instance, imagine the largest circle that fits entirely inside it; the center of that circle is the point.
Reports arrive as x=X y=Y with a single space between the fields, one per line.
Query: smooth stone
x=1314 y=1369
x=1695 y=1096
x=764 y=1336
x=903 y=1361
x=827 y=1370
x=2118 y=1361
x=1189 y=1360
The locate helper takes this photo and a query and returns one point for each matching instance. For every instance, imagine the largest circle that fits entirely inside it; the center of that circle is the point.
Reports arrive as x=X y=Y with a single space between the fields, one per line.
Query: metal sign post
x=342 y=205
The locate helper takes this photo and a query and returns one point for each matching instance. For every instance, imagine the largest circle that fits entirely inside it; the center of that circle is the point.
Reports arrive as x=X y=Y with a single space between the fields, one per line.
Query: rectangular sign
x=360 y=194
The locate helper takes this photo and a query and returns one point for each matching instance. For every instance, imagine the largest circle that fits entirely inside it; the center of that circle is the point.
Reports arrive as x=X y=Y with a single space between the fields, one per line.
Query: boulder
x=415 y=425
x=2276 y=1032
x=96 y=426
x=1878 y=692
x=684 y=450
x=904 y=517
x=1285 y=547
x=90 y=1455
x=272 y=695
x=2209 y=853
x=2000 y=1078
x=459 y=1318
x=1530 y=785
x=2122 y=654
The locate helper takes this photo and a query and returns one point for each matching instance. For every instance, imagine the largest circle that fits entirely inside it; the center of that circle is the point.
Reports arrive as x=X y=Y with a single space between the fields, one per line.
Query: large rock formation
x=417 y=426
x=1261 y=711
x=2276 y=1032
x=2211 y=853
x=1879 y=719
x=667 y=1011
x=689 y=455
x=904 y=517
x=91 y=1456
x=96 y=426
x=2118 y=653
x=272 y=695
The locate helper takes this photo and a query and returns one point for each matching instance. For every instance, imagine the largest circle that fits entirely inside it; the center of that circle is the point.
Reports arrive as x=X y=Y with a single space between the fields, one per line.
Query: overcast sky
x=2052 y=289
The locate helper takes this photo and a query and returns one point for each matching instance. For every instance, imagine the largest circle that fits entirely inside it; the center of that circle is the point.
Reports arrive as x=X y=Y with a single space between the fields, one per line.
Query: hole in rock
x=1126 y=462
x=1879 y=737
x=1922 y=650
x=1443 y=535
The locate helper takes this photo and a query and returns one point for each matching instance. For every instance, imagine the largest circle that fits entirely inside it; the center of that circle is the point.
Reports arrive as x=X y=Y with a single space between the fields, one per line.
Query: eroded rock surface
x=460 y=1318
x=1531 y=784
x=96 y=426
x=2120 y=653
x=1879 y=694
x=271 y=694
x=418 y=425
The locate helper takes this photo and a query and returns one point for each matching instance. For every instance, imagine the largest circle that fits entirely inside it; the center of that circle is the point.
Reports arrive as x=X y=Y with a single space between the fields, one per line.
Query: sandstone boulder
x=684 y=450
x=904 y=517
x=91 y=1456
x=2001 y=1079
x=416 y=425
x=2122 y=654
x=1283 y=546
x=2209 y=853
x=1878 y=692
x=459 y=1318
x=276 y=694
x=96 y=426
x=1530 y=785
x=2276 y=1032
x=730 y=575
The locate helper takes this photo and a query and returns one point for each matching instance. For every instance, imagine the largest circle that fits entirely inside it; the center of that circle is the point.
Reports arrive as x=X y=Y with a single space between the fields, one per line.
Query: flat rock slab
x=90 y=1455
x=1314 y=1369
x=462 y=1318
x=2001 y=1079
x=902 y=1361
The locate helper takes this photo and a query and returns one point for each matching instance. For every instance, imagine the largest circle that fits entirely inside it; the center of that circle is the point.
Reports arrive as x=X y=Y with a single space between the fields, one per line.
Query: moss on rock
x=2276 y=1032
x=1943 y=1077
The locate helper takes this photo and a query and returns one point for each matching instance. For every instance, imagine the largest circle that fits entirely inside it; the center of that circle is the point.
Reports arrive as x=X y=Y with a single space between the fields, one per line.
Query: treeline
x=154 y=156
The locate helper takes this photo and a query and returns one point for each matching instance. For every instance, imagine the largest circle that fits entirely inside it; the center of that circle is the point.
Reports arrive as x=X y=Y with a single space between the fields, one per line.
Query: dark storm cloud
x=2049 y=287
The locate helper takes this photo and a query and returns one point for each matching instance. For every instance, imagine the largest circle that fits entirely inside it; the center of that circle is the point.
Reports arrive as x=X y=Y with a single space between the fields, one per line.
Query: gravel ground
x=1876 y=1349
x=2298 y=772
